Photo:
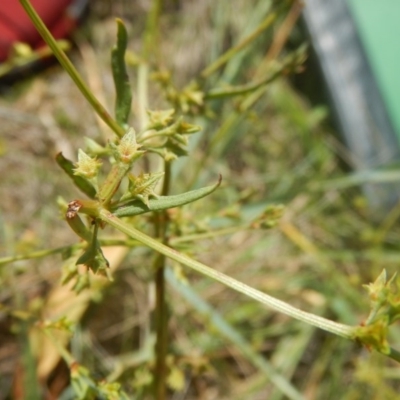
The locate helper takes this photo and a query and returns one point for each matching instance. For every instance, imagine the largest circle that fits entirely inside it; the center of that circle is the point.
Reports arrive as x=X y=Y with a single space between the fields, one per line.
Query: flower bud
x=128 y=149
x=86 y=167
x=160 y=119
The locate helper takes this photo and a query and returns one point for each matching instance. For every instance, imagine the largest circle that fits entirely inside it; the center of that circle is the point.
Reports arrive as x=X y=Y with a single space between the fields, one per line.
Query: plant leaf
x=93 y=257
x=137 y=207
x=123 y=99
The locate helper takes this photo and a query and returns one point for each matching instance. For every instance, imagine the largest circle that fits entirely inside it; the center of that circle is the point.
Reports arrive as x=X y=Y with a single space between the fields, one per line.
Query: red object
x=60 y=16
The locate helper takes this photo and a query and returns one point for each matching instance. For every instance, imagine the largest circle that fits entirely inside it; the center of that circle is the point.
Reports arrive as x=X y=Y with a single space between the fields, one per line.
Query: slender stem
x=37 y=254
x=152 y=24
x=106 y=242
x=69 y=67
x=142 y=79
x=208 y=235
x=345 y=331
x=161 y=321
x=244 y=89
x=66 y=356
x=161 y=313
x=224 y=58
x=149 y=49
x=30 y=384
x=118 y=242
x=167 y=179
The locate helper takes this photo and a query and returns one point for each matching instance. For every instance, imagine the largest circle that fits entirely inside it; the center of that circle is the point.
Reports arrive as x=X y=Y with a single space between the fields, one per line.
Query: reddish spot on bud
x=73 y=207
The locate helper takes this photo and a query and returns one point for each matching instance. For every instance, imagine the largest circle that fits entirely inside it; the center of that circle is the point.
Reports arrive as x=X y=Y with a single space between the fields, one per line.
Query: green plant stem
x=167 y=179
x=38 y=254
x=342 y=330
x=345 y=331
x=66 y=356
x=161 y=312
x=224 y=58
x=105 y=242
x=143 y=102
x=152 y=23
x=31 y=387
x=208 y=235
x=161 y=321
x=121 y=242
x=243 y=89
x=149 y=48
x=69 y=67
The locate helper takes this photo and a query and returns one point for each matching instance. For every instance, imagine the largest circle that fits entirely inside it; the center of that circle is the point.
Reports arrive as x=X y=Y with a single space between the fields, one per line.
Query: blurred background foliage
x=272 y=148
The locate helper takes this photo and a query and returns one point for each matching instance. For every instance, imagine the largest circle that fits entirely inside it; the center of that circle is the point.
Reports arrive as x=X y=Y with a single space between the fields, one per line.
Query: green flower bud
x=160 y=119
x=193 y=94
x=142 y=187
x=185 y=128
x=86 y=167
x=128 y=149
x=269 y=218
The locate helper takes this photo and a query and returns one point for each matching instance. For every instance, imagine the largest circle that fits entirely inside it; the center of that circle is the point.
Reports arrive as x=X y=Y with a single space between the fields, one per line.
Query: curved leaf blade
x=137 y=207
x=123 y=91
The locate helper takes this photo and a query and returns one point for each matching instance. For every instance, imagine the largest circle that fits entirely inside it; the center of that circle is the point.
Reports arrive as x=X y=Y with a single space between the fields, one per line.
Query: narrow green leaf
x=137 y=207
x=94 y=259
x=93 y=256
x=121 y=80
x=81 y=183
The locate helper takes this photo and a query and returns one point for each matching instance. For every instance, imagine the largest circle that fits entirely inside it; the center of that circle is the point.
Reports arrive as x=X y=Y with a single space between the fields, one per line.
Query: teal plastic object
x=378 y=24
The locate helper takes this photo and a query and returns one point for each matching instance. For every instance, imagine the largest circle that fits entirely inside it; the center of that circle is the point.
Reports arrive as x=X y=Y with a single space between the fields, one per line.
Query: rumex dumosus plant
x=114 y=196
